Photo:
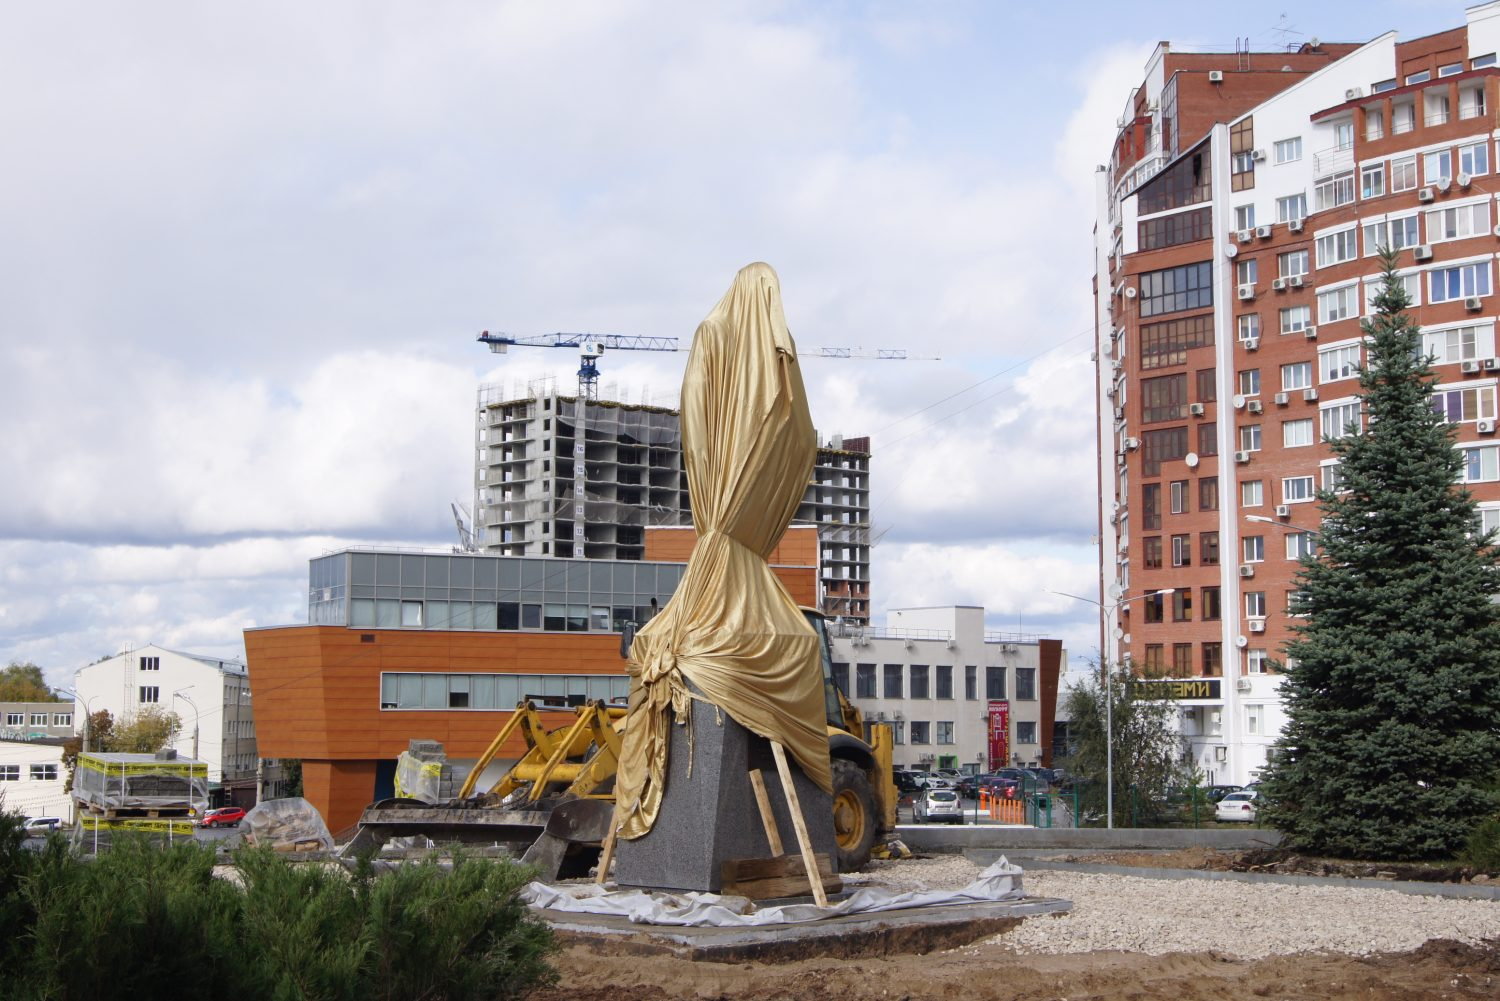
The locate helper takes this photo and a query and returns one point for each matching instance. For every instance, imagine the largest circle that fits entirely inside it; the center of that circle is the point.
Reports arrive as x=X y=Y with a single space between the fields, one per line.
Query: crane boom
x=632 y=342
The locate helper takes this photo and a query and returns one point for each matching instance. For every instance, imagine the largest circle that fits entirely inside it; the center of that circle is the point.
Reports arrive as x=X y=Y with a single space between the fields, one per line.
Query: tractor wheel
x=855 y=821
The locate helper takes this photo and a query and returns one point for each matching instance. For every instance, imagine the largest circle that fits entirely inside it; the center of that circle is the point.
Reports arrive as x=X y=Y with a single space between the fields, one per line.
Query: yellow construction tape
x=192 y=769
x=147 y=825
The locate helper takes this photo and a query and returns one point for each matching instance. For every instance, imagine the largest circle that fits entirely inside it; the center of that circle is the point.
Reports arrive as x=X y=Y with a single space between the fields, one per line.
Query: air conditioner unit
x=1254 y=406
x=1247 y=292
x=1247 y=569
x=1283 y=510
x=1464 y=180
x=1242 y=457
x=1215 y=76
x=1425 y=194
x=1264 y=232
x=1131 y=444
x=1484 y=427
x=1251 y=343
x=1129 y=291
x=1242 y=684
x=1119 y=413
x=951 y=644
x=1196 y=409
x=1257 y=625
x=1258 y=155
x=1354 y=93
x=1295 y=225
x=1281 y=399
x=1311 y=333
x=1310 y=395
x=1279 y=284
x=1243 y=236
x=1491 y=364
x=1469 y=367
x=1295 y=281
x=1473 y=304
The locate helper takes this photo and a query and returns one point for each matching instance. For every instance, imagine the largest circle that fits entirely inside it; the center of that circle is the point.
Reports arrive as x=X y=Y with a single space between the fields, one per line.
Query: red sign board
x=999 y=733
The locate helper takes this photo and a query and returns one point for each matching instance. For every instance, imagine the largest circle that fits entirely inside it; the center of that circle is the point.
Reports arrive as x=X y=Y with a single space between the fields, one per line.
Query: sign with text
x=1175 y=688
x=999 y=733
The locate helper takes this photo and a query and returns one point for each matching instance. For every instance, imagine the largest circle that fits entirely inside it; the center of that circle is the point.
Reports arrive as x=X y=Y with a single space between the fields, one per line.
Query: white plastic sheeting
x=1001 y=881
x=288 y=824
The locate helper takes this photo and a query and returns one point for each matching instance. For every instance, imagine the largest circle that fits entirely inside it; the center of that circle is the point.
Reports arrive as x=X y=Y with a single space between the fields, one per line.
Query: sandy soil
x=1439 y=969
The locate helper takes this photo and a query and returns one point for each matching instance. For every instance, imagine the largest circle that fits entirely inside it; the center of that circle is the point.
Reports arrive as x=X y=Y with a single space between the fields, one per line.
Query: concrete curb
x=971 y=837
x=1457 y=891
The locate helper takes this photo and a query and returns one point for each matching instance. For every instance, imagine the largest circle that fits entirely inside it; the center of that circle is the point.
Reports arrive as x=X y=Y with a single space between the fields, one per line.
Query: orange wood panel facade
x=794 y=555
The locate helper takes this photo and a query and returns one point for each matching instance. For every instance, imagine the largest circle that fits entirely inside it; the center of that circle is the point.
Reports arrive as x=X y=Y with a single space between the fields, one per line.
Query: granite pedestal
x=710 y=816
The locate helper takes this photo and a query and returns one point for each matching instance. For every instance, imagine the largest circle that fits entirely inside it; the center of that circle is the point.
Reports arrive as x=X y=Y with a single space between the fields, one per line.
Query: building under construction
x=553 y=478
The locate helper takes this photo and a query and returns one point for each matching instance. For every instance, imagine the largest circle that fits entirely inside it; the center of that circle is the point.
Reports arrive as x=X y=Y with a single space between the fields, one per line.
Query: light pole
x=178 y=695
x=1105 y=611
x=86 y=712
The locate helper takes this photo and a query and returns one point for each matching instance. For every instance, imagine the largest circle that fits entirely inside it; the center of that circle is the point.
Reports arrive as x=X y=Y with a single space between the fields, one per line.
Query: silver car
x=938 y=804
x=1236 y=806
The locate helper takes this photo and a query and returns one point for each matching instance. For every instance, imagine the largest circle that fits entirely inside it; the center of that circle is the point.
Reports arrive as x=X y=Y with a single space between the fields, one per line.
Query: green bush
x=1483 y=848
x=147 y=919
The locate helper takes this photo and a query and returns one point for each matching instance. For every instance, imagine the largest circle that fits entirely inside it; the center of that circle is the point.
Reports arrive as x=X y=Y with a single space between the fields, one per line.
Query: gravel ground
x=1245 y=921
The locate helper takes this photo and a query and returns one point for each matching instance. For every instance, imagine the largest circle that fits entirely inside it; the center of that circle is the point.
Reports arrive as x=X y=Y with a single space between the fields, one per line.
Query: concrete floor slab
x=911 y=930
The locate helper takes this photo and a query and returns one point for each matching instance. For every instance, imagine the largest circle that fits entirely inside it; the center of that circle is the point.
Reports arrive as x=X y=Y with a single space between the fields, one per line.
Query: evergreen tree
x=1392 y=684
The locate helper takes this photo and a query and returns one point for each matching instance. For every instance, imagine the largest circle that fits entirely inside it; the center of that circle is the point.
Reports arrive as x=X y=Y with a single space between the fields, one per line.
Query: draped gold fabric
x=731 y=628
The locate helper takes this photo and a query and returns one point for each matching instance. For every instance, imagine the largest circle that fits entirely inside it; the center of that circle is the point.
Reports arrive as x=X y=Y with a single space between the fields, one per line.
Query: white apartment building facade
x=32 y=778
x=933 y=675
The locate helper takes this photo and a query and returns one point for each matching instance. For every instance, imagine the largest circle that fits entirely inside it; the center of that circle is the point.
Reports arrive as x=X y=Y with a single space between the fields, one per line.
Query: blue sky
x=247 y=252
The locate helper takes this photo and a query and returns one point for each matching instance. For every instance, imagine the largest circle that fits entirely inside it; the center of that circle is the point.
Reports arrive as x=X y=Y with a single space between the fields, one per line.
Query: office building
x=1239 y=218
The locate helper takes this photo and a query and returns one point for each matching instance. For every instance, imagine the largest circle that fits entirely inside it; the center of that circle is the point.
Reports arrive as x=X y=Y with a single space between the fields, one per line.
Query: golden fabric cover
x=731 y=628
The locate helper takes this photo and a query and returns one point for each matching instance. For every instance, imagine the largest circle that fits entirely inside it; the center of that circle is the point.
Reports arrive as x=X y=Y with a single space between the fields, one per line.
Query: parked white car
x=938 y=804
x=1236 y=806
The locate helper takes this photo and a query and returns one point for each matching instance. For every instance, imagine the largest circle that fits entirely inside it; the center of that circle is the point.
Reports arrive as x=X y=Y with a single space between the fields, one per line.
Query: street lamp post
x=179 y=695
x=87 y=712
x=1105 y=611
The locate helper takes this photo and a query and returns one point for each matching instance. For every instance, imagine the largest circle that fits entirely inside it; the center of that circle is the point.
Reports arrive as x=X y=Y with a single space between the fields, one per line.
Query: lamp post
x=86 y=712
x=178 y=695
x=1105 y=611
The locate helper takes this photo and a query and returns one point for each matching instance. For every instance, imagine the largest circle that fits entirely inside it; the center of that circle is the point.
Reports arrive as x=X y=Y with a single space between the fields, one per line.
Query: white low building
x=209 y=694
x=32 y=778
x=939 y=678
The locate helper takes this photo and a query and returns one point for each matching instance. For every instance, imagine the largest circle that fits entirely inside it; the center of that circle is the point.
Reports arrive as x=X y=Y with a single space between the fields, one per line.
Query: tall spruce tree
x=1392 y=684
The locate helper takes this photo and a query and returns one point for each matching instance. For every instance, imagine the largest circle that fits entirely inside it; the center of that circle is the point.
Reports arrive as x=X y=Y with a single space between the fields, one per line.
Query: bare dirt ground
x=1439 y=969
x=1281 y=861
x=990 y=970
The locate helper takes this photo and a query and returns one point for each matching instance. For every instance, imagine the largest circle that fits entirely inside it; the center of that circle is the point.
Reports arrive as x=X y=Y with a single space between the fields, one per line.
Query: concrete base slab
x=912 y=930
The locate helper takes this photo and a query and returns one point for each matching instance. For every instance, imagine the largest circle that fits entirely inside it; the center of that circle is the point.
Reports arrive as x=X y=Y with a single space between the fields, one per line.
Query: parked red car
x=224 y=816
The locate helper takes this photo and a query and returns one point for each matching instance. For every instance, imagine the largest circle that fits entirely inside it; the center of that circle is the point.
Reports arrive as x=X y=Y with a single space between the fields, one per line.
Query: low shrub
x=1483 y=848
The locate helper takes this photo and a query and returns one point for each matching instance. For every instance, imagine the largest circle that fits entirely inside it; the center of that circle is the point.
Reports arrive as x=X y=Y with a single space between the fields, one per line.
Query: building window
x=1172 y=290
x=1475 y=160
x=1025 y=732
x=1403 y=117
x=1458 y=405
x=1471 y=102
x=1208 y=438
x=1403 y=174
x=1246 y=271
x=1182 y=550
x=1331 y=192
x=1372 y=181
x=1410 y=284
x=1154 y=662
x=1458 y=223
x=1251 y=494
x=892 y=688
x=489 y=692
x=411 y=614
x=1174 y=230
x=1151 y=552
x=1338 y=304
x=1164 y=398
x=1182 y=659
x=1213 y=660
x=150 y=663
x=1297 y=489
x=1244 y=216
x=1250 y=438
x=1437 y=166
x=1295 y=319
x=1291 y=264
x=1394 y=233
x=1297 y=375
x=1154 y=606
x=943 y=682
x=1253 y=548
x=1241 y=155
x=1178 y=492
x=921 y=732
x=841 y=679
x=1288 y=150
x=1249 y=382
x=149 y=693
x=919 y=681
x=10 y=773
x=1336 y=248
x=1460 y=344
x=1248 y=326
x=44 y=773
x=1338 y=420
x=62 y=719
x=1211 y=607
x=898 y=731
x=864 y=681
x=1300 y=544
x=1151 y=507
x=38 y=719
x=1255 y=604
x=994 y=682
x=1480 y=62
x=1374 y=124
x=1182 y=605
x=1207 y=385
x=1295 y=434
x=1481 y=464
x=1255 y=662
x=1291 y=207
x=1338 y=363
x=1184 y=183
x=1208 y=548
x=1252 y=720
x=1208 y=493
x=1167 y=343
x=1333 y=477
x=945 y=732
x=1447 y=284
x=1025 y=683
x=971 y=682
x=1162 y=445
x=15 y=719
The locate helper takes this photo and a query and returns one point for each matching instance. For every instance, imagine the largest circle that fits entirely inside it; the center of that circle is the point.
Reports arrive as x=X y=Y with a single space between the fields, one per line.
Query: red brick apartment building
x=1238 y=221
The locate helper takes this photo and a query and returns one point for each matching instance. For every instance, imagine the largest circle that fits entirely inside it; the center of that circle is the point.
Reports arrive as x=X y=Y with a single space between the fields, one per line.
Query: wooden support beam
x=767 y=818
x=799 y=823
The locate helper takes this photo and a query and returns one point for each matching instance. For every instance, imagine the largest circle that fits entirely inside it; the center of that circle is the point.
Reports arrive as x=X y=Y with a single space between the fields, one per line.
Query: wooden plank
x=767 y=817
x=783 y=876
x=799 y=823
